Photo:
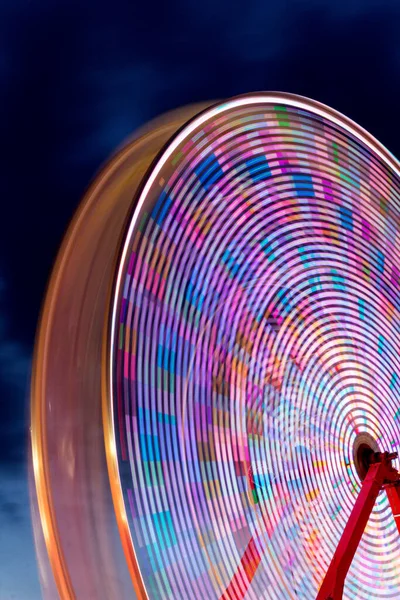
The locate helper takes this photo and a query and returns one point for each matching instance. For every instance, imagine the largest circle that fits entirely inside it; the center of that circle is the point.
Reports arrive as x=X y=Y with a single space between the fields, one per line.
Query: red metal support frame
x=393 y=494
x=380 y=474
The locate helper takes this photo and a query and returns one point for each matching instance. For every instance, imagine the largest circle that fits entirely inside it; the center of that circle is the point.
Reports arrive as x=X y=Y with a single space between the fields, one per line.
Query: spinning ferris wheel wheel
x=215 y=401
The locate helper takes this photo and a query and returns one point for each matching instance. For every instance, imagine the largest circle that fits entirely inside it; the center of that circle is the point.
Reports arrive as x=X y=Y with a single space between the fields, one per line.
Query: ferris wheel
x=215 y=396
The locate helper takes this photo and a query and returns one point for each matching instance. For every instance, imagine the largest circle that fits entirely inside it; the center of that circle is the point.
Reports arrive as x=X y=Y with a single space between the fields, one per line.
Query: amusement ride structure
x=215 y=394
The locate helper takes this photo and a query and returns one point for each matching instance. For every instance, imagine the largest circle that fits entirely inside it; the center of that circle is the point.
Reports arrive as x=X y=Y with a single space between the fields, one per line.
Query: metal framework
x=380 y=475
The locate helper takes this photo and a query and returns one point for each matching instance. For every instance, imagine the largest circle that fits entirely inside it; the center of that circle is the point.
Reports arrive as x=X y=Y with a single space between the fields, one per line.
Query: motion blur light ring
x=255 y=284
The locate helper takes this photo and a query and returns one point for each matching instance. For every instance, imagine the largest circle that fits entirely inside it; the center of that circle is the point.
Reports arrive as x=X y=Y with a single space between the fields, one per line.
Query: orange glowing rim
x=38 y=416
x=40 y=458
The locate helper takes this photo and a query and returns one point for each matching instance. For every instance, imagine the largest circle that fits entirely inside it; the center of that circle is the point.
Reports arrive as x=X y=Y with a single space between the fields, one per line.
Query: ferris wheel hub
x=364 y=449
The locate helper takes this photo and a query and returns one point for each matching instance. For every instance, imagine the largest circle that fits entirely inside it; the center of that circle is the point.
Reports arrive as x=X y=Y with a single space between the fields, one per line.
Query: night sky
x=78 y=76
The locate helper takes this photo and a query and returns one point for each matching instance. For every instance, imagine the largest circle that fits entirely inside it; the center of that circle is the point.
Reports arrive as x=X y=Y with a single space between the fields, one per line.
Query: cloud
x=18 y=572
x=11 y=510
x=14 y=392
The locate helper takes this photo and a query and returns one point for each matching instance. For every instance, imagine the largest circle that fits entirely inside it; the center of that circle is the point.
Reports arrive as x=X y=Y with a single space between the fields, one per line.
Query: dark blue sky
x=78 y=76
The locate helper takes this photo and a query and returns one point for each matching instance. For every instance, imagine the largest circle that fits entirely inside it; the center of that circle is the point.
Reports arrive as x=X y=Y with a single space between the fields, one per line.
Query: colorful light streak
x=254 y=332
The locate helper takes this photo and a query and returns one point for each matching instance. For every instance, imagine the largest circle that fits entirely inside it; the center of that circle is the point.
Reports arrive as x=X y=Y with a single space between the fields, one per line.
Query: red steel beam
x=393 y=494
x=379 y=473
x=247 y=568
